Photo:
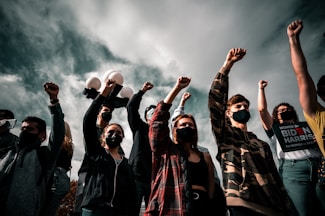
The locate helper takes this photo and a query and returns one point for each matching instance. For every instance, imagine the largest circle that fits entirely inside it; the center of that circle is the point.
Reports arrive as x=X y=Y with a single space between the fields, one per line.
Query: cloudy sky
x=68 y=42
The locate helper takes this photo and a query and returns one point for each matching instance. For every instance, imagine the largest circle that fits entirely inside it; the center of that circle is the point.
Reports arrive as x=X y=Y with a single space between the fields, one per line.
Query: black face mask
x=185 y=134
x=106 y=116
x=26 y=138
x=113 y=140
x=6 y=126
x=287 y=115
x=242 y=116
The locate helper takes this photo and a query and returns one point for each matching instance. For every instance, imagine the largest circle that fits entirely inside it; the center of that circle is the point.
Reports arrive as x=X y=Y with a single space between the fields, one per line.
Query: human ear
x=228 y=113
x=42 y=136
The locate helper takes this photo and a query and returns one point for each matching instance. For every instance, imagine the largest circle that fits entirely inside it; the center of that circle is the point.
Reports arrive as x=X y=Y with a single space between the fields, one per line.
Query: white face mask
x=150 y=113
x=9 y=122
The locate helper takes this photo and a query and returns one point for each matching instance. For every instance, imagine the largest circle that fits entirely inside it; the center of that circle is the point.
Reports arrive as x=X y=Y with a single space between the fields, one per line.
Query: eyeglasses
x=11 y=123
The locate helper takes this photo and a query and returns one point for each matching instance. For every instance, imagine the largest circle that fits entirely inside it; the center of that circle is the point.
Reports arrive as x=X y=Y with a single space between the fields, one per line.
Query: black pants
x=200 y=203
x=242 y=211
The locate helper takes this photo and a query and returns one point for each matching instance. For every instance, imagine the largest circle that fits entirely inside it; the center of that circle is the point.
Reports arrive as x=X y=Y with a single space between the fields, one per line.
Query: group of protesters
x=167 y=170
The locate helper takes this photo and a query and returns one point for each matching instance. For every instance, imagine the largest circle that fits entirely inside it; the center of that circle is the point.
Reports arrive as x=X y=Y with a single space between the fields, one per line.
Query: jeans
x=300 y=180
x=79 y=193
x=60 y=188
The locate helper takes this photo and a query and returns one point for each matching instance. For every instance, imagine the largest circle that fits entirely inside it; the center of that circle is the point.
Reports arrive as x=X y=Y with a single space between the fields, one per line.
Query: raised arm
x=57 y=129
x=92 y=143
x=180 y=109
x=158 y=128
x=265 y=116
x=184 y=98
x=233 y=56
x=306 y=86
x=133 y=105
x=182 y=82
x=218 y=94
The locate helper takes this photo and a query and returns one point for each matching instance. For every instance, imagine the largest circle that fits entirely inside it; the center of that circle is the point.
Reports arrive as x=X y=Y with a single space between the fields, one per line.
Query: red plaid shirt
x=170 y=189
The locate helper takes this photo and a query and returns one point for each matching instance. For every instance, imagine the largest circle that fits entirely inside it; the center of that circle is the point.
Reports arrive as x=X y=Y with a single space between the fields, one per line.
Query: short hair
x=41 y=124
x=236 y=99
x=6 y=114
x=275 y=112
x=147 y=110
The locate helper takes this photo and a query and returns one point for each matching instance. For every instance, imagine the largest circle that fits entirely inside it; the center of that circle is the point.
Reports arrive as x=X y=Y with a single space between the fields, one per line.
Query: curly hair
x=275 y=112
x=67 y=144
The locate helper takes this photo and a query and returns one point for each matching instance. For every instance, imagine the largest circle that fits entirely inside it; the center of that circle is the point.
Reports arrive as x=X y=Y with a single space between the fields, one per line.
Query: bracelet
x=54 y=101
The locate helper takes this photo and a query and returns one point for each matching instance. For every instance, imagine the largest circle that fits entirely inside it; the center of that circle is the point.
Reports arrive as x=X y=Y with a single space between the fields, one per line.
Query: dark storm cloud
x=69 y=41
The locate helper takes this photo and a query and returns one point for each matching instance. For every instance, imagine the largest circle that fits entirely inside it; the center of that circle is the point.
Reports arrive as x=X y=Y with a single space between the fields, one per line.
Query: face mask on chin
x=185 y=134
x=26 y=138
x=287 y=115
x=113 y=140
x=241 y=116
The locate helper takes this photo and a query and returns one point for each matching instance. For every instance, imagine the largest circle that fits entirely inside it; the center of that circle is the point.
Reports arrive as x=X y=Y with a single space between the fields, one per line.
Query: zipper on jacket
x=115 y=174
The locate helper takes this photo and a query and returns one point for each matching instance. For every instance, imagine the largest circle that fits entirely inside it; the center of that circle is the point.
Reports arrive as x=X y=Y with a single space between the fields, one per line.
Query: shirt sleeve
x=217 y=104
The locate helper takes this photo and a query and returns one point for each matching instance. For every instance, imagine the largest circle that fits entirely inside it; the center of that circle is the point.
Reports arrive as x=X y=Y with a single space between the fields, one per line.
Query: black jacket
x=108 y=185
x=140 y=156
x=31 y=169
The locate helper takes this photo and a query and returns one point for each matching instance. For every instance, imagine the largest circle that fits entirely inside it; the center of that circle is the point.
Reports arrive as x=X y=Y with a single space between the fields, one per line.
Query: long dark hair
x=275 y=112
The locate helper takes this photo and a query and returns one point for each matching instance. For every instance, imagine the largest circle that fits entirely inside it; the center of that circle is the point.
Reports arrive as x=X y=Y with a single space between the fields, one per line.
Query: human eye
x=238 y=106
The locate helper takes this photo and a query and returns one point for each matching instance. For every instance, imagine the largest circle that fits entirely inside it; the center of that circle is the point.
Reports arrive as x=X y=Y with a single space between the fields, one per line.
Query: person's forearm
x=298 y=59
x=306 y=86
x=57 y=134
x=261 y=100
x=172 y=94
x=89 y=126
x=265 y=116
x=106 y=92
x=225 y=69
x=182 y=103
x=133 y=115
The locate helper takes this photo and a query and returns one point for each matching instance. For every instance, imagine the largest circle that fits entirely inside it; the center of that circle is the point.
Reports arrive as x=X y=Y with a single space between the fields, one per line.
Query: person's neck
x=188 y=146
x=115 y=154
x=240 y=125
x=102 y=124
